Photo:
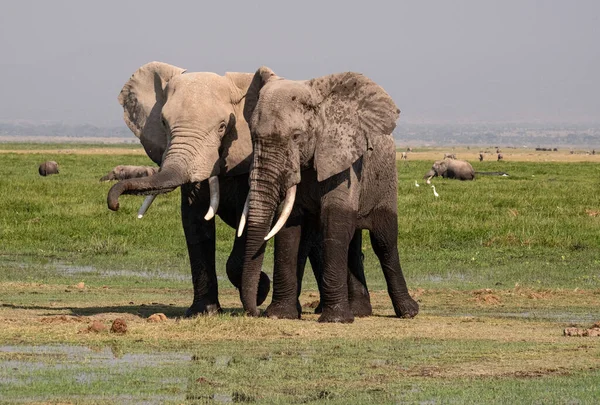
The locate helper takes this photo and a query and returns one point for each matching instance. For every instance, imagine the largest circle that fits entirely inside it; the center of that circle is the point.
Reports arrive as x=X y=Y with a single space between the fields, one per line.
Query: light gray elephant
x=48 y=168
x=193 y=126
x=323 y=148
x=451 y=169
x=449 y=155
x=123 y=172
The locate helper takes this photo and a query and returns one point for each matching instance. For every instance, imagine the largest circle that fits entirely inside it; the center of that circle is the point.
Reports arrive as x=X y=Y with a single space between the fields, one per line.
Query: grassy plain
x=500 y=267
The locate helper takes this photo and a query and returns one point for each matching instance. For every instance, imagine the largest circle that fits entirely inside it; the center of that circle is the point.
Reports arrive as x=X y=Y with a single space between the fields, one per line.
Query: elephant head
x=326 y=123
x=439 y=168
x=191 y=124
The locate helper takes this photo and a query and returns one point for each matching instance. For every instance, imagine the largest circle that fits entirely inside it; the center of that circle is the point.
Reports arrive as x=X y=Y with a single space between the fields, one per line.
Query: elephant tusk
x=145 y=205
x=244 y=216
x=288 y=204
x=213 y=184
x=429 y=179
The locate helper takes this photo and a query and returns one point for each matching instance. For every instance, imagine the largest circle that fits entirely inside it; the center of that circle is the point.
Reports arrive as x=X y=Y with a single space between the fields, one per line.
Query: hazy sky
x=441 y=61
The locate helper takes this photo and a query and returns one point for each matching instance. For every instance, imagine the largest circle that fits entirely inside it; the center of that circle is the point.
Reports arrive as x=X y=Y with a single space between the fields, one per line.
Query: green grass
x=499 y=265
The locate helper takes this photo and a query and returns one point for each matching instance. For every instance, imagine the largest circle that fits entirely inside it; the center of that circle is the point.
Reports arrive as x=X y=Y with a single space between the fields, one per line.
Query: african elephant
x=449 y=155
x=451 y=169
x=192 y=125
x=123 y=172
x=324 y=145
x=47 y=168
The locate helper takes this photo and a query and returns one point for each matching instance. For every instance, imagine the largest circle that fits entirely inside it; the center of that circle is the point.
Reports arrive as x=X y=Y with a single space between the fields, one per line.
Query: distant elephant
x=451 y=169
x=481 y=157
x=449 y=155
x=500 y=156
x=47 y=168
x=123 y=172
x=324 y=144
x=193 y=126
x=404 y=156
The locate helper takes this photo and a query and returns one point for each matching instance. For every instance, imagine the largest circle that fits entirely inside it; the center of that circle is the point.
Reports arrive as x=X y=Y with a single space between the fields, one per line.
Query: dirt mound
x=485 y=296
x=594 y=331
x=94 y=327
x=119 y=326
x=158 y=317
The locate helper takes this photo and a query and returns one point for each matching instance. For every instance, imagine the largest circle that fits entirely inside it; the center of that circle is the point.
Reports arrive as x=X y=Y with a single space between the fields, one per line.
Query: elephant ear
x=355 y=111
x=261 y=77
x=236 y=145
x=142 y=98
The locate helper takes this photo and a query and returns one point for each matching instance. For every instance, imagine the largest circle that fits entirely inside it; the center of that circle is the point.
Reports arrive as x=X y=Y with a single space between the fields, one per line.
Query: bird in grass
x=417 y=184
x=434 y=192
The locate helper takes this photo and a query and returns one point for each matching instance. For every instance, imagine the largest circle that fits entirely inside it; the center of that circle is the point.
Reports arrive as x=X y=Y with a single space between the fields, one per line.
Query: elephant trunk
x=429 y=174
x=264 y=198
x=163 y=182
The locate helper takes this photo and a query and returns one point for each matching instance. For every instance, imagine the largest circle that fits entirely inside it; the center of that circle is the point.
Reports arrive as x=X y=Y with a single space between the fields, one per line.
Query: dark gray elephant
x=451 y=169
x=324 y=145
x=48 y=168
x=192 y=125
x=124 y=172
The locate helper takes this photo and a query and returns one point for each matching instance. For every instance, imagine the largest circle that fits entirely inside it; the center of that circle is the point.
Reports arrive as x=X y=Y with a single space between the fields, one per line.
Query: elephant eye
x=296 y=135
x=222 y=127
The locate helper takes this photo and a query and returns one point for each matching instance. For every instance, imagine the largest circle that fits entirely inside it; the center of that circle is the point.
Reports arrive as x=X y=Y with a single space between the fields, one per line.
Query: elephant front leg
x=200 y=239
x=285 y=304
x=338 y=226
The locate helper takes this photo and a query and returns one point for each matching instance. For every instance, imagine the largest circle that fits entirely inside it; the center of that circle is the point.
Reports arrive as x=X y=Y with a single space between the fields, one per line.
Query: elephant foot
x=280 y=310
x=264 y=286
x=406 y=308
x=337 y=313
x=202 y=309
x=361 y=306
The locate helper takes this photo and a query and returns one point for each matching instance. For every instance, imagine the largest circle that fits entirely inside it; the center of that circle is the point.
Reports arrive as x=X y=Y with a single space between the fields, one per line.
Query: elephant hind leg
x=358 y=294
x=385 y=245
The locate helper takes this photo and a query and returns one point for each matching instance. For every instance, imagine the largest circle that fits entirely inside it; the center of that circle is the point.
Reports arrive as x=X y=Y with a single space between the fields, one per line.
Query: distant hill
x=531 y=135
x=406 y=134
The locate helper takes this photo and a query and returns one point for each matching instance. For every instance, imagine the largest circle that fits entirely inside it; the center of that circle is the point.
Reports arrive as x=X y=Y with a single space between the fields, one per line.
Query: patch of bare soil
x=311 y=304
x=592 y=213
x=485 y=296
x=63 y=319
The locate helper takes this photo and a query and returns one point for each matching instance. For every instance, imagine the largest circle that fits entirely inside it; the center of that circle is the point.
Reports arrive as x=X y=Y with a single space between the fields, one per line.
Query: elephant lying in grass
x=451 y=169
x=322 y=148
x=48 y=168
x=123 y=172
x=193 y=126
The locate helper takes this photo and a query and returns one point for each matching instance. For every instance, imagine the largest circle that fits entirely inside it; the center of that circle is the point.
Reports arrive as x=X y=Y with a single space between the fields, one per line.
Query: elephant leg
x=385 y=245
x=200 y=239
x=234 y=267
x=338 y=226
x=285 y=304
x=358 y=294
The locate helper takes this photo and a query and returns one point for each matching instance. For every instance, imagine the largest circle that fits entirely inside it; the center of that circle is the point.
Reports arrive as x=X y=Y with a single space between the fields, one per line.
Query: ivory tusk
x=145 y=205
x=244 y=216
x=288 y=204
x=213 y=184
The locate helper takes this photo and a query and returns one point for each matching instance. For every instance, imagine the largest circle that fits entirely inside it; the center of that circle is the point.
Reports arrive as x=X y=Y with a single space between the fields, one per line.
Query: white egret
x=434 y=192
x=416 y=184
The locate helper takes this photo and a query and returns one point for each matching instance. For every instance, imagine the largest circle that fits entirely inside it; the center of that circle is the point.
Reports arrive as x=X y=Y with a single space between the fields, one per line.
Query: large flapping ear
x=354 y=110
x=261 y=77
x=236 y=145
x=142 y=98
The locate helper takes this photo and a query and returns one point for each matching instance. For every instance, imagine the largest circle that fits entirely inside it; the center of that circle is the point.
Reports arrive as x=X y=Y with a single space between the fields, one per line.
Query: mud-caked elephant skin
x=324 y=147
x=193 y=126
x=451 y=169
x=48 y=168
x=124 y=172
